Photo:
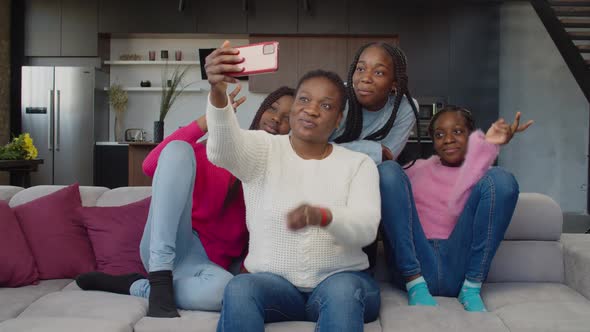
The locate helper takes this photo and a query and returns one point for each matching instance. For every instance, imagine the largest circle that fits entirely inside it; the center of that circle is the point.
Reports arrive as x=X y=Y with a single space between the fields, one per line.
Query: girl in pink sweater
x=196 y=225
x=447 y=215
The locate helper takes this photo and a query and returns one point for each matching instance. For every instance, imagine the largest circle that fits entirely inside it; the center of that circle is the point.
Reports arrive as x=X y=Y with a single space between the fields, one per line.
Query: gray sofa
x=539 y=281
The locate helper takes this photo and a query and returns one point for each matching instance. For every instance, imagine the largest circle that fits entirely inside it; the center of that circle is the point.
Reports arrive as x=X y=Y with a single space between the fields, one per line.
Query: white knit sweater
x=276 y=180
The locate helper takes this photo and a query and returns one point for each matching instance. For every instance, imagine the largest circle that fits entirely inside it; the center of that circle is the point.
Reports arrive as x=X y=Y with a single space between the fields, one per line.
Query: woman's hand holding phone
x=218 y=64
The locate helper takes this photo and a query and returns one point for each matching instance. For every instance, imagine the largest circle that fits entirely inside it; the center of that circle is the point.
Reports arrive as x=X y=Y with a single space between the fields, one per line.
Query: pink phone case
x=259 y=58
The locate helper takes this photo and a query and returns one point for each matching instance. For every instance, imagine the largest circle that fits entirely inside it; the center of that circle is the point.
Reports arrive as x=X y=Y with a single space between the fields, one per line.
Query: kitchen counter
x=112 y=143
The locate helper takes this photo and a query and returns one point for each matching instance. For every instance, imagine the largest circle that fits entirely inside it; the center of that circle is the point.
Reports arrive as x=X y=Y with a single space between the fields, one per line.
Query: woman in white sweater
x=310 y=208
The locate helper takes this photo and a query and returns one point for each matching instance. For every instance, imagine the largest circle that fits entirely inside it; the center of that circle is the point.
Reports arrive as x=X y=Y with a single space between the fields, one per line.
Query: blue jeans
x=469 y=250
x=342 y=302
x=169 y=242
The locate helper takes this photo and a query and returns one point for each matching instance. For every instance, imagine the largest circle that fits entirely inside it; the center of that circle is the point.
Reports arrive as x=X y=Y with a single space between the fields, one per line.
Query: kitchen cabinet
x=323 y=17
x=232 y=17
x=372 y=17
x=138 y=16
x=110 y=165
x=42 y=28
x=61 y=28
x=79 y=28
x=271 y=16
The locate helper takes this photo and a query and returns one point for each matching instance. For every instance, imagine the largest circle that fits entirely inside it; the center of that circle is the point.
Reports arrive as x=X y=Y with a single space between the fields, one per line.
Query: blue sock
x=418 y=293
x=470 y=296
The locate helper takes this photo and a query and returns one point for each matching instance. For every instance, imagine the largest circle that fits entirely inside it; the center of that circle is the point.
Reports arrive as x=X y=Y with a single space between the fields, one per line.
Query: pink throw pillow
x=115 y=233
x=56 y=236
x=17 y=265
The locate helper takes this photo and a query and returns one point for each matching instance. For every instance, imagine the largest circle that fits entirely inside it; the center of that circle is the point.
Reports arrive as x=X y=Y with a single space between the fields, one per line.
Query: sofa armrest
x=576 y=249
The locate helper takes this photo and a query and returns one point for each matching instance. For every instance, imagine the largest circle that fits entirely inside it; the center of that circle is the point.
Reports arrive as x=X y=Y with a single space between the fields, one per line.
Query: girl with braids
x=311 y=207
x=188 y=265
x=446 y=215
x=380 y=115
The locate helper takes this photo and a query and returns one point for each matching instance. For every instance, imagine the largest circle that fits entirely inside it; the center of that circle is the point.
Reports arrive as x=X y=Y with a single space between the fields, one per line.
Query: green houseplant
x=118 y=99
x=171 y=88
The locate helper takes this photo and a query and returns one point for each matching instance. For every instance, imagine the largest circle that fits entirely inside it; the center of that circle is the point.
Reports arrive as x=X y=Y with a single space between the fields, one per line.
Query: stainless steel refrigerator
x=65 y=111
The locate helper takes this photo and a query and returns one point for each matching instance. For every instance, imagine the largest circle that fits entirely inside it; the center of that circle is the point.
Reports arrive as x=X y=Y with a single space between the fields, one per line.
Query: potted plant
x=118 y=99
x=171 y=88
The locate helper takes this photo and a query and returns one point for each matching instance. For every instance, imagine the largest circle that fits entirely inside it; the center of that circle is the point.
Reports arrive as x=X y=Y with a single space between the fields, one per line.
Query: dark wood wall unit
x=300 y=54
x=137 y=153
x=287 y=74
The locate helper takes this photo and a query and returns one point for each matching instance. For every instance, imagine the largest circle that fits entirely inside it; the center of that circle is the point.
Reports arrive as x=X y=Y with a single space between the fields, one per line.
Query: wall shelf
x=155 y=89
x=145 y=62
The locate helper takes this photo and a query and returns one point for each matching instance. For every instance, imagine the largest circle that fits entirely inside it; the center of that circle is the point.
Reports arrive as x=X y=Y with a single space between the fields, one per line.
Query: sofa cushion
x=14 y=300
x=53 y=324
x=499 y=295
x=449 y=315
x=6 y=192
x=88 y=194
x=56 y=235
x=207 y=321
x=123 y=195
x=522 y=261
x=17 y=265
x=536 y=217
x=546 y=317
x=115 y=233
x=89 y=304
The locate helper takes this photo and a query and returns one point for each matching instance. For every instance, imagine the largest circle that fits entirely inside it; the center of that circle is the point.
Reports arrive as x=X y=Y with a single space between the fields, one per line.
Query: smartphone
x=259 y=58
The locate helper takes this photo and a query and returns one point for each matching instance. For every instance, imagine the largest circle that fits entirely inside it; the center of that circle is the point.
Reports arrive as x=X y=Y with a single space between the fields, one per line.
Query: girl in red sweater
x=196 y=224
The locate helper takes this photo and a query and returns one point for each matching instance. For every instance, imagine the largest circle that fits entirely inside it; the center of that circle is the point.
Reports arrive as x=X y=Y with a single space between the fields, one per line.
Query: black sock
x=161 y=301
x=119 y=284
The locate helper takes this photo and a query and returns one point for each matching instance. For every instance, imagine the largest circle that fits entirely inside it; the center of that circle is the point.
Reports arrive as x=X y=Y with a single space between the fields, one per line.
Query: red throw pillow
x=56 y=236
x=115 y=233
x=17 y=265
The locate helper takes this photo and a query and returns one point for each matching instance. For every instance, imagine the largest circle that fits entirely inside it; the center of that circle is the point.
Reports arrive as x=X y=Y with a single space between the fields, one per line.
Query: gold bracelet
x=306 y=214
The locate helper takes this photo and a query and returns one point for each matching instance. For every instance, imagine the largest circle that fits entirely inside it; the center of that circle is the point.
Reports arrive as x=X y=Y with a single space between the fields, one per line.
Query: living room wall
x=4 y=78
x=550 y=158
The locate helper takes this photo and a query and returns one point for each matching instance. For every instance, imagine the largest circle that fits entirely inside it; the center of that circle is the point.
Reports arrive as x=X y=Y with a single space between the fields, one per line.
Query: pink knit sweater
x=222 y=230
x=440 y=192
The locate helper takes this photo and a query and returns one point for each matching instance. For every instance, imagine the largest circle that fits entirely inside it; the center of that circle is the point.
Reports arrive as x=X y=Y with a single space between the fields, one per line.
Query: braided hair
x=465 y=113
x=354 y=118
x=255 y=125
x=332 y=77
x=267 y=103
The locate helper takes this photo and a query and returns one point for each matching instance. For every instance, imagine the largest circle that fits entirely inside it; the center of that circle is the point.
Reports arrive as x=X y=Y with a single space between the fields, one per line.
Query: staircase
x=568 y=24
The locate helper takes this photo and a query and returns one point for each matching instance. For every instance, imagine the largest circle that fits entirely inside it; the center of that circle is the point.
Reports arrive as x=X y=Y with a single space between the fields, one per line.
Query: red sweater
x=221 y=230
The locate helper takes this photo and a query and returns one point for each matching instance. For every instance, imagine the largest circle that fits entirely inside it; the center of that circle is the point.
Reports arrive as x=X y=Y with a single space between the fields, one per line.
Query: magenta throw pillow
x=57 y=238
x=17 y=265
x=115 y=233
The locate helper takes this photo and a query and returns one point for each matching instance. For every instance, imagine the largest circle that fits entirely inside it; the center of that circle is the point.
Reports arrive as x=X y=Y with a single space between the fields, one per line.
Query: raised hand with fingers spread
x=501 y=132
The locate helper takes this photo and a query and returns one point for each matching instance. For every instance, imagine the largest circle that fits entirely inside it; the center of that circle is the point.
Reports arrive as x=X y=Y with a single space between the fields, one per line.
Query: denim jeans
x=169 y=242
x=469 y=250
x=342 y=302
